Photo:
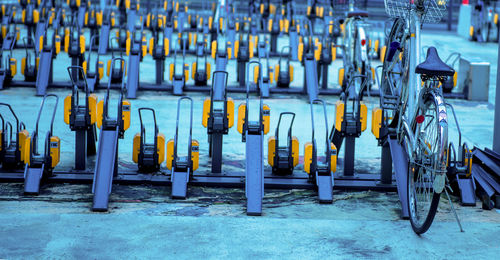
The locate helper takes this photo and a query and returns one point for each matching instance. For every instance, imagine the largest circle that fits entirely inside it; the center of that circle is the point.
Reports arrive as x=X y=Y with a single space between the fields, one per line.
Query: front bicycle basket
x=433 y=9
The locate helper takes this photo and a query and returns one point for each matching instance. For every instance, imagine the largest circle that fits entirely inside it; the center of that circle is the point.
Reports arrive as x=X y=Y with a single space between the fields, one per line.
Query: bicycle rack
x=309 y=54
x=274 y=29
x=91 y=20
x=40 y=165
x=29 y=66
x=217 y=120
x=106 y=25
x=294 y=42
x=284 y=74
x=201 y=71
x=253 y=136
x=182 y=167
x=8 y=67
x=47 y=55
x=243 y=53
x=263 y=79
x=327 y=56
x=320 y=173
x=159 y=49
x=283 y=159
x=136 y=49
x=81 y=118
x=459 y=167
x=115 y=74
x=350 y=123
x=14 y=151
x=8 y=35
x=148 y=156
x=78 y=7
x=392 y=152
x=93 y=76
x=179 y=79
x=74 y=45
x=112 y=129
x=30 y=17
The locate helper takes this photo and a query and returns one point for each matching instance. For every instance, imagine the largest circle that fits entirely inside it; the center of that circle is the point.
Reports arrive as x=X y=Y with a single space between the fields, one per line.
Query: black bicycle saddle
x=433 y=65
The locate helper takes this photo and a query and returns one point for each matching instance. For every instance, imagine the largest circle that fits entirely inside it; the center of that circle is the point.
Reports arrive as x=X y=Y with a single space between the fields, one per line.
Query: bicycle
x=357 y=51
x=416 y=111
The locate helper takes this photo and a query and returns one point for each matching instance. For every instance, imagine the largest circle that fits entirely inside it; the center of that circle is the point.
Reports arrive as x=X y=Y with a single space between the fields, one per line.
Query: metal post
x=160 y=70
x=386 y=164
x=216 y=152
x=81 y=150
x=496 y=125
x=274 y=42
x=350 y=142
x=91 y=141
x=241 y=73
x=325 y=76
x=75 y=62
x=51 y=71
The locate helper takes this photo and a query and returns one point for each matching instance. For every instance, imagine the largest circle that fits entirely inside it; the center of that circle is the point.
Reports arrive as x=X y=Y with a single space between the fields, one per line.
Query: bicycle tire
x=439 y=112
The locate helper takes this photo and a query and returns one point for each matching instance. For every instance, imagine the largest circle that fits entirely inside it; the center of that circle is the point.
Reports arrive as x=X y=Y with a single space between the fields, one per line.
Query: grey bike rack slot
x=179 y=184
x=104 y=38
x=131 y=19
x=254 y=168
x=182 y=166
x=44 y=75
x=217 y=122
x=33 y=176
x=400 y=162
x=243 y=58
x=325 y=187
x=40 y=30
x=81 y=16
x=220 y=65
x=133 y=74
x=311 y=76
x=105 y=168
x=294 y=43
x=178 y=85
x=467 y=191
x=221 y=62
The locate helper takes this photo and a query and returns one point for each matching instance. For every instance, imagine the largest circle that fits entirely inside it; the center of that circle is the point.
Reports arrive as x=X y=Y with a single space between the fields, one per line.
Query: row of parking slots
x=75 y=43
x=273 y=72
x=96 y=116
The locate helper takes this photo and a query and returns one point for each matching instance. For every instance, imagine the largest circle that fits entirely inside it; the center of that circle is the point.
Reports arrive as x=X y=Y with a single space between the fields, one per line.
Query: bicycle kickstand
x=454 y=211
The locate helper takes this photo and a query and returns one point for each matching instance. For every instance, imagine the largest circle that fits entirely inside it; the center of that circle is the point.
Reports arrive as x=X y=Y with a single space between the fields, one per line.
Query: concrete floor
x=144 y=222
x=212 y=224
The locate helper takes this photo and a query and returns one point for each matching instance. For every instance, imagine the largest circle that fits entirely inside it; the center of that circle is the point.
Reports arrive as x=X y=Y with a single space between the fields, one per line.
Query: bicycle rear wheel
x=426 y=170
